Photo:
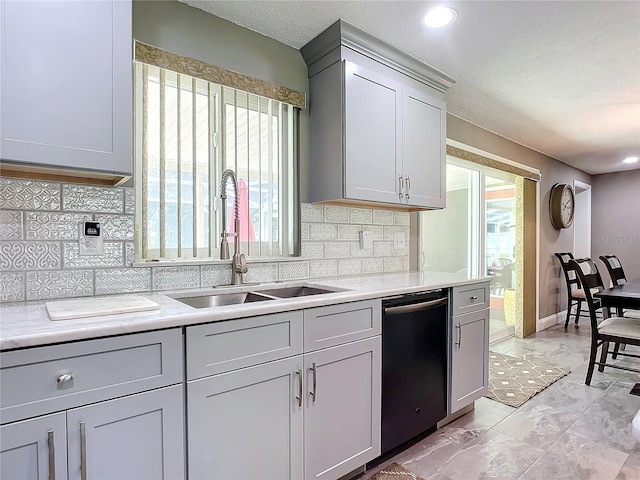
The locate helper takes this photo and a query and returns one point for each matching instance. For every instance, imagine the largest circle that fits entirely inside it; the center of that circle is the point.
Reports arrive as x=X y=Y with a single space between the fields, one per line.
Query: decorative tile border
x=362 y=216
x=262 y=272
x=11 y=225
x=337 y=250
x=29 y=195
x=323 y=231
x=30 y=256
x=123 y=280
x=59 y=284
x=312 y=213
x=323 y=268
x=350 y=267
x=84 y=198
x=214 y=275
x=175 y=278
x=383 y=217
x=293 y=270
x=12 y=286
x=53 y=225
x=313 y=249
x=117 y=227
x=113 y=256
x=336 y=214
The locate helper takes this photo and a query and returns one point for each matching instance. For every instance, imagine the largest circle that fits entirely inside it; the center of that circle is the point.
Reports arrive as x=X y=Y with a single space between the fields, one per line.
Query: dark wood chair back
x=614 y=267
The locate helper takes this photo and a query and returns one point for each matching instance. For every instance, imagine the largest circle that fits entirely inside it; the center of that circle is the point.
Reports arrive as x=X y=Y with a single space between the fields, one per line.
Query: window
x=188 y=131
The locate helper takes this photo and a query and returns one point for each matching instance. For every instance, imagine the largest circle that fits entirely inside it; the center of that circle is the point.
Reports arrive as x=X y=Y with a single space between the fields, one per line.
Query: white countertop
x=26 y=324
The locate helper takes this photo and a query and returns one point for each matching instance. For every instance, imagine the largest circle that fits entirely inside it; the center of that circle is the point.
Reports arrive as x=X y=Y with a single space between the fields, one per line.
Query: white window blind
x=188 y=132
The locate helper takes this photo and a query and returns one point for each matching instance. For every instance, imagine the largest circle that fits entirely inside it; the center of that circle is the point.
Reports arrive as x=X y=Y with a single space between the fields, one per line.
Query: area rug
x=395 y=472
x=513 y=381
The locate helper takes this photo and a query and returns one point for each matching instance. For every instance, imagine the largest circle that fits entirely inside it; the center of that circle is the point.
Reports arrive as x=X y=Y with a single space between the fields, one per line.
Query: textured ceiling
x=561 y=77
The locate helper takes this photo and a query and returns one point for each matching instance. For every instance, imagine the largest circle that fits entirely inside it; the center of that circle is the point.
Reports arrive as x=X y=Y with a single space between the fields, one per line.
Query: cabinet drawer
x=220 y=347
x=469 y=298
x=47 y=379
x=346 y=322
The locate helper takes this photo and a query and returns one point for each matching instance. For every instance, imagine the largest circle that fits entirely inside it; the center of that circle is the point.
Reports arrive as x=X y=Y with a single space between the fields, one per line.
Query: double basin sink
x=237 y=298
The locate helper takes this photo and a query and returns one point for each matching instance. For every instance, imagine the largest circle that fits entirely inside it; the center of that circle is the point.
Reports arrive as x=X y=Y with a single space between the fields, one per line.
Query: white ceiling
x=561 y=77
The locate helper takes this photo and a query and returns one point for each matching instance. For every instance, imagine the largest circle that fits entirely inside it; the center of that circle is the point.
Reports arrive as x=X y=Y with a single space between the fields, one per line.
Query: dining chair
x=616 y=273
x=612 y=329
x=575 y=294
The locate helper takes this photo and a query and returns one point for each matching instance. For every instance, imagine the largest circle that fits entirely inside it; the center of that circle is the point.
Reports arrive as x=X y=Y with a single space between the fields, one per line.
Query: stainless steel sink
x=206 y=301
x=291 y=292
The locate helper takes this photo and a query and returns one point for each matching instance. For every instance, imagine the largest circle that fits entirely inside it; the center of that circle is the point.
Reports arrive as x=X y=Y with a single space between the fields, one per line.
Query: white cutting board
x=94 y=306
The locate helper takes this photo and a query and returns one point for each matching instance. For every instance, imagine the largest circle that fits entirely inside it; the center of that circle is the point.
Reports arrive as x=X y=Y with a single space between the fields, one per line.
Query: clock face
x=567 y=207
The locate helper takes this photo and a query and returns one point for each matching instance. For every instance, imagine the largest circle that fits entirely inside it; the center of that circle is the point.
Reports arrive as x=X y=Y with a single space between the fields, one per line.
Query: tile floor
x=567 y=431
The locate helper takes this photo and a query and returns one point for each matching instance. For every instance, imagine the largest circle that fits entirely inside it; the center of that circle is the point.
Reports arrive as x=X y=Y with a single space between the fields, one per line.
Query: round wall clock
x=561 y=206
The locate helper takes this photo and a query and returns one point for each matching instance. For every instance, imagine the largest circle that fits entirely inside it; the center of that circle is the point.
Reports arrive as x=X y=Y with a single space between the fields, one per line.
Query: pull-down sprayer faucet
x=238 y=264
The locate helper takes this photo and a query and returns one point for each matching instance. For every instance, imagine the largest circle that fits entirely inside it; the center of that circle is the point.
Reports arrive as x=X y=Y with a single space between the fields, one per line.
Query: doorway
x=477 y=232
x=582 y=220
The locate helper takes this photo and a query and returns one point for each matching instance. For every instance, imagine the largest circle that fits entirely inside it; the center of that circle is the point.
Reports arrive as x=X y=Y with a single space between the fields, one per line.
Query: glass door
x=475 y=233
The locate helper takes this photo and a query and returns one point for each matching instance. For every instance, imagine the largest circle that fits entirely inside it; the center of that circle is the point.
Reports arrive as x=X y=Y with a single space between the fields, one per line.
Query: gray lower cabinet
x=34 y=449
x=247 y=424
x=110 y=408
x=140 y=436
x=312 y=413
x=342 y=408
x=469 y=346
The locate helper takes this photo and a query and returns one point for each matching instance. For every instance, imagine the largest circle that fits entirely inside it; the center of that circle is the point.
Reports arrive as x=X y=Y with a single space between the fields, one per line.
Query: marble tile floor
x=567 y=431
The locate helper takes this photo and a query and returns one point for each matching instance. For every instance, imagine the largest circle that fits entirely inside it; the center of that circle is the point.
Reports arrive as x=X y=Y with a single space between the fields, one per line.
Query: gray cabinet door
x=247 y=424
x=140 y=436
x=372 y=137
x=342 y=408
x=469 y=358
x=66 y=84
x=34 y=449
x=423 y=148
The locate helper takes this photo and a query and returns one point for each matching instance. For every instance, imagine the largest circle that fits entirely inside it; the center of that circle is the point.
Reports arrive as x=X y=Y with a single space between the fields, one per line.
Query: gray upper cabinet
x=377 y=123
x=66 y=86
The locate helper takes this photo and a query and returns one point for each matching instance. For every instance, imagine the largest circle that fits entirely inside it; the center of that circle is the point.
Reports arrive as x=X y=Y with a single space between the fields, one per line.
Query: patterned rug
x=513 y=381
x=395 y=472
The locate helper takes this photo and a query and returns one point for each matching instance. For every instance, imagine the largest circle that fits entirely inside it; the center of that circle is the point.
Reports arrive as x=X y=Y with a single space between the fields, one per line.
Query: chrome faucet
x=238 y=264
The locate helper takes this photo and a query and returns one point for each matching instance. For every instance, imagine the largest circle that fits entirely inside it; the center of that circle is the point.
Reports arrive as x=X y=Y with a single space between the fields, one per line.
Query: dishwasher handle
x=416 y=307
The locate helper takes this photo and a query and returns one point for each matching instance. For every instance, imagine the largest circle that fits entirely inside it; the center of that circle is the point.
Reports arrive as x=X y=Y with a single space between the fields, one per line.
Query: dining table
x=626 y=295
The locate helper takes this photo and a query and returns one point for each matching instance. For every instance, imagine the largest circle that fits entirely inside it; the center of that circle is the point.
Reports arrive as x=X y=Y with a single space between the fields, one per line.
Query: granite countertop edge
x=27 y=324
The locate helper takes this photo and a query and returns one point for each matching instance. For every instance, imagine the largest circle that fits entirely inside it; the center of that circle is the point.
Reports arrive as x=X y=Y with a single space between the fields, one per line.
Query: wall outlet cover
x=398 y=241
x=366 y=239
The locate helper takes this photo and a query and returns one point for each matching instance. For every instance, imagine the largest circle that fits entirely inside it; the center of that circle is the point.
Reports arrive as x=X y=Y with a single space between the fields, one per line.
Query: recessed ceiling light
x=630 y=160
x=439 y=17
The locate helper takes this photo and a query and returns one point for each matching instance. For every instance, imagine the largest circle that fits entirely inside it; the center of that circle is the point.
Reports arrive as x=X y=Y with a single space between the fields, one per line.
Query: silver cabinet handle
x=313 y=393
x=459 y=330
x=299 y=396
x=400 y=187
x=83 y=451
x=408 y=182
x=52 y=455
x=65 y=378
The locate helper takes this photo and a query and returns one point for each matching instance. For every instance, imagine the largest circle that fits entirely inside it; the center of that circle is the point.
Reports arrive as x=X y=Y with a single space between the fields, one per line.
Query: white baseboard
x=551 y=320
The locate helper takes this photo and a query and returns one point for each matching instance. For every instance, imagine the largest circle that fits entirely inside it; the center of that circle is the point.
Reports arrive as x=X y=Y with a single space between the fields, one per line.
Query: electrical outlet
x=398 y=241
x=90 y=239
x=366 y=239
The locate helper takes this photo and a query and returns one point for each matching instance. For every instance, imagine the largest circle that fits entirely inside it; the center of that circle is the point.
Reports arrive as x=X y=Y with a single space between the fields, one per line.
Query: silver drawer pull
x=83 y=451
x=52 y=455
x=314 y=393
x=299 y=396
x=475 y=297
x=65 y=378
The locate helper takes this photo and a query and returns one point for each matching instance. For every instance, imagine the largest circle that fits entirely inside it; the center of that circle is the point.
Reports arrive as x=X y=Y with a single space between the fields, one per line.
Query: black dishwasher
x=414 y=365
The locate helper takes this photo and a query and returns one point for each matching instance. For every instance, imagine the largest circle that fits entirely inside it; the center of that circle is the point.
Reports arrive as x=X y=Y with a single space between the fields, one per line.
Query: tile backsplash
x=39 y=245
